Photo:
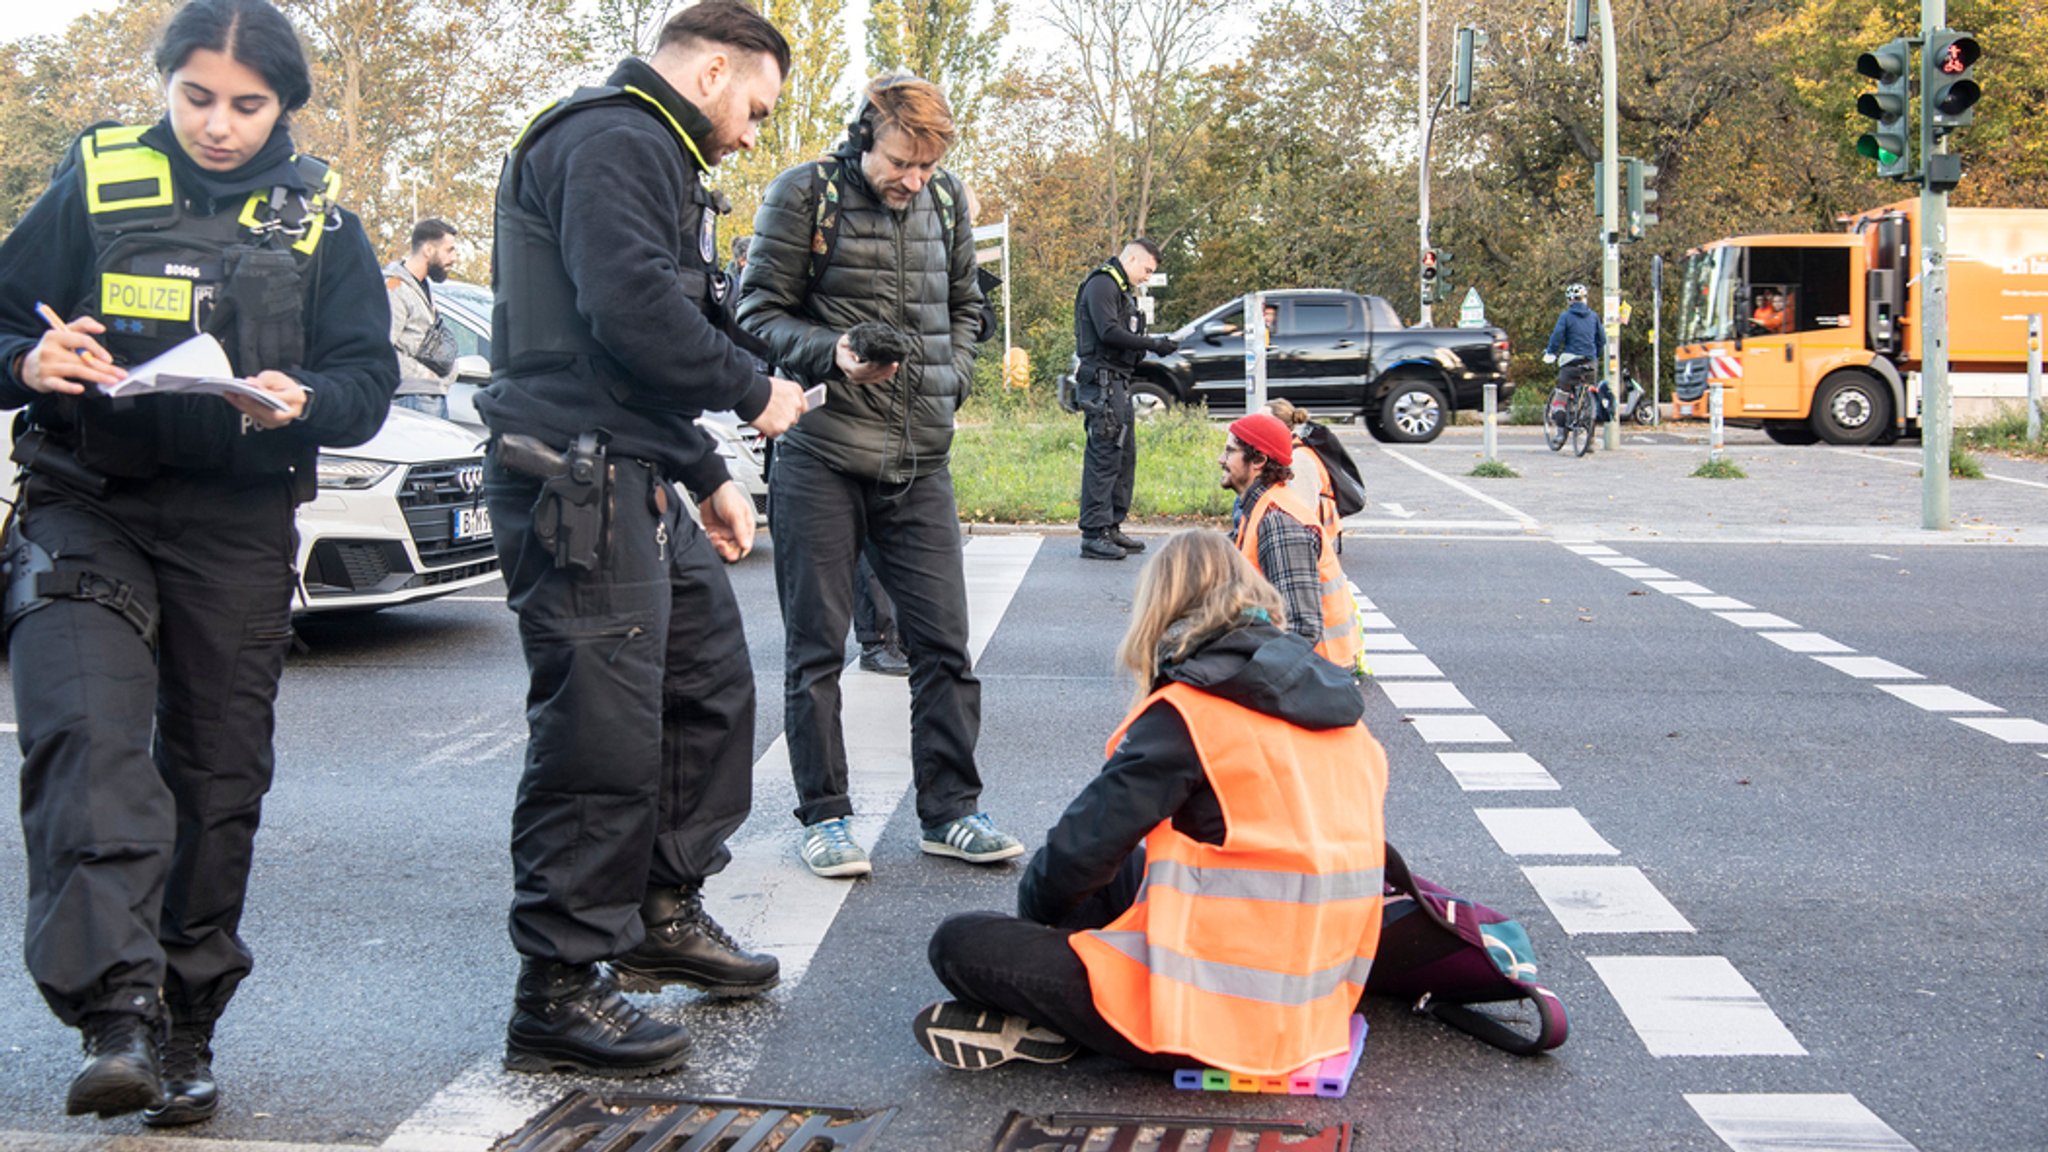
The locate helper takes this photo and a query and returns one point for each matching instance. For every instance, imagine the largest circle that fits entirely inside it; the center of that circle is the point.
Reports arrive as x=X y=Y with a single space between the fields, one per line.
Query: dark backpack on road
x=1345 y=483
x=1443 y=952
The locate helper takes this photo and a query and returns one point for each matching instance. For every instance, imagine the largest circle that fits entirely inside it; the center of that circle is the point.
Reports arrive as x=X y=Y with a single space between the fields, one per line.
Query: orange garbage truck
x=1819 y=336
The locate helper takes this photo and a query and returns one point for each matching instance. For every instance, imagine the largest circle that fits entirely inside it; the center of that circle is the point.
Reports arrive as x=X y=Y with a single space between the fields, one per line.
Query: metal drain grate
x=589 y=1122
x=1084 y=1132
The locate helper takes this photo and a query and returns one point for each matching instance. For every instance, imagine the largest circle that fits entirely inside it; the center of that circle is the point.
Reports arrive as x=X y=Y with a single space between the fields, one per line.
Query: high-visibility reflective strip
x=1254 y=884
x=114 y=159
x=687 y=142
x=1283 y=989
x=146 y=297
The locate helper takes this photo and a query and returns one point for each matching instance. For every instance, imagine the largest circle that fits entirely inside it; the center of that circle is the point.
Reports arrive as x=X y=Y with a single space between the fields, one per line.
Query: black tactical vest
x=535 y=327
x=164 y=274
x=1088 y=344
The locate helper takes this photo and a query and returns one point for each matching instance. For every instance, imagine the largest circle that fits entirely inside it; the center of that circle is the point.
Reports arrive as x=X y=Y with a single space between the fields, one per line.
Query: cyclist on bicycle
x=1577 y=336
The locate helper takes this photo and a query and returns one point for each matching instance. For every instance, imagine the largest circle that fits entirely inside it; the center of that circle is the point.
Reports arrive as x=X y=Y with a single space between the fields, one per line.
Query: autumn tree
x=937 y=39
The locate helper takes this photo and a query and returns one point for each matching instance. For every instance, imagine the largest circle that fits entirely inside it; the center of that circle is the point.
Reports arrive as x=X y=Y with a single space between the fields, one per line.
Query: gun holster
x=569 y=515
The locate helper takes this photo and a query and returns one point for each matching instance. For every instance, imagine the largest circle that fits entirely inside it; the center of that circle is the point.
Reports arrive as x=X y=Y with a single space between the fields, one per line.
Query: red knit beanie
x=1265 y=434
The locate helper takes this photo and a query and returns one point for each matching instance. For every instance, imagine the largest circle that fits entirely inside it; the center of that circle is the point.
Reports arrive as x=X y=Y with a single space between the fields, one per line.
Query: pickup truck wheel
x=1148 y=400
x=1413 y=412
x=1851 y=408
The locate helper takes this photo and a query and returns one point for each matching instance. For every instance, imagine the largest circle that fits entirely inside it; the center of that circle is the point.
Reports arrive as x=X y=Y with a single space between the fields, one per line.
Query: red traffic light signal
x=1948 y=91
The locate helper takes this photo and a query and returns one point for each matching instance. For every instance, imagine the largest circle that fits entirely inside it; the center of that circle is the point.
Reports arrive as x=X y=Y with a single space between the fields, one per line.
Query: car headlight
x=348 y=472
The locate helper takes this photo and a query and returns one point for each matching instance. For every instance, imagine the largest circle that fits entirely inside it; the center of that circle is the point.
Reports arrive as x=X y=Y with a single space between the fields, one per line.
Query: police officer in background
x=1109 y=338
x=150 y=552
x=609 y=337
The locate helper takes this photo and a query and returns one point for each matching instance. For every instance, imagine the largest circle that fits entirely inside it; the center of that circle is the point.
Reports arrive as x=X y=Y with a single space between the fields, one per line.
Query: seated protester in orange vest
x=1311 y=479
x=1281 y=534
x=1213 y=896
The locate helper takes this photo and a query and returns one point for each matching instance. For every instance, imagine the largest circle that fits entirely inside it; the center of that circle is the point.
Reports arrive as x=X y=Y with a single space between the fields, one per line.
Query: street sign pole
x=1254 y=352
x=2034 y=378
x=1936 y=420
x=1657 y=335
x=1426 y=313
x=1610 y=225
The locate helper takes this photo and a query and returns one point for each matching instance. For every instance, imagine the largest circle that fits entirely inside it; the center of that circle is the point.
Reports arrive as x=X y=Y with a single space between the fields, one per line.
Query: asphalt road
x=1790 y=898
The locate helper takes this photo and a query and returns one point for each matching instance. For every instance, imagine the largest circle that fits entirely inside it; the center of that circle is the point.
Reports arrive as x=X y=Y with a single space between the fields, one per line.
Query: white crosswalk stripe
x=1795 y=1122
x=1693 y=1006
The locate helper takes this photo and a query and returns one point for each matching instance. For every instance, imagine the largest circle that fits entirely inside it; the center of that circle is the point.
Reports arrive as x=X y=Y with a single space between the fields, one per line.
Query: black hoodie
x=1155 y=775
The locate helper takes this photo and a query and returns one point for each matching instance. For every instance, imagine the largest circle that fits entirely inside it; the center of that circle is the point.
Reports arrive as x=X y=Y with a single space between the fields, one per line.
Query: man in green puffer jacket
x=876 y=233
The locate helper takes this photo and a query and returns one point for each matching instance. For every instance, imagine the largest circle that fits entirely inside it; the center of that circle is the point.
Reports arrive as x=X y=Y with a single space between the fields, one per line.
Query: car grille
x=430 y=495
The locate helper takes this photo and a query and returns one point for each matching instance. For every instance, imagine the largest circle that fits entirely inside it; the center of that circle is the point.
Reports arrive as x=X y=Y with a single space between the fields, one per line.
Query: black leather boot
x=571 y=1018
x=190 y=1094
x=684 y=945
x=1127 y=543
x=121 y=1073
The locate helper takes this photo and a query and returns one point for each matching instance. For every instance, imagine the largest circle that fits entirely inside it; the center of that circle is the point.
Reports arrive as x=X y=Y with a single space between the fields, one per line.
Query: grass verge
x=2005 y=434
x=1024 y=467
x=1722 y=469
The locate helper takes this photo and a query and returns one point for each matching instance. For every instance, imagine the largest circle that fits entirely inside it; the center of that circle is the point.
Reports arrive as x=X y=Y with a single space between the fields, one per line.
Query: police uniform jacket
x=1109 y=331
x=906 y=268
x=615 y=201
x=350 y=366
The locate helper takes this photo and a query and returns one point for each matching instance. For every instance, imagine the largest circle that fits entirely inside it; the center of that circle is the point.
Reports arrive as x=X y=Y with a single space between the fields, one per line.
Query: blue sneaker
x=828 y=849
x=974 y=839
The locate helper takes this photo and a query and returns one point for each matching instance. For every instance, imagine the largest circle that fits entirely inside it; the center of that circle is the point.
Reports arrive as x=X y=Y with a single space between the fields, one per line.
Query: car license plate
x=472 y=522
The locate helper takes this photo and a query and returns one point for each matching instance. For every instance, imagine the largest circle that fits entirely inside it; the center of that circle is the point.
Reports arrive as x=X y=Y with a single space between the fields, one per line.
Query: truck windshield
x=1706 y=311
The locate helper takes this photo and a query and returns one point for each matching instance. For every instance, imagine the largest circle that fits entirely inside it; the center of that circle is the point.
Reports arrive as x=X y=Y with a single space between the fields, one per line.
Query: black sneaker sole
x=518 y=1060
x=631 y=980
x=179 y=1115
x=968 y=1038
x=113 y=1096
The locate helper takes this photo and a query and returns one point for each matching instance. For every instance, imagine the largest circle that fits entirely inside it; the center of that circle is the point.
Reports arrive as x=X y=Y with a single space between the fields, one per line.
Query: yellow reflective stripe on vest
x=317 y=204
x=1257 y=884
x=122 y=173
x=1282 y=989
x=146 y=297
x=687 y=142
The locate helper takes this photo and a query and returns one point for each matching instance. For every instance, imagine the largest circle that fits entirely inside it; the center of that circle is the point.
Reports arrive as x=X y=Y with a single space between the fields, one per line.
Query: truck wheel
x=1851 y=408
x=1789 y=434
x=1149 y=399
x=1414 y=412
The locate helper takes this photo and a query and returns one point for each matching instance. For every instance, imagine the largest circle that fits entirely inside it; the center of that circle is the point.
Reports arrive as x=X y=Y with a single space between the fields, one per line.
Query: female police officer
x=149 y=593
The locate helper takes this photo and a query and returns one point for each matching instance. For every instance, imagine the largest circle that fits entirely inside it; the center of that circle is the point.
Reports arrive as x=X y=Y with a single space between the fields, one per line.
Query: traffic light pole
x=1936 y=420
x=1422 y=132
x=1610 y=225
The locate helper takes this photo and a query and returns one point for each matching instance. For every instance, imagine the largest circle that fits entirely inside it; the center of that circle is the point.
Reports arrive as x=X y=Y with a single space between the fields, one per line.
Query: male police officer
x=607 y=343
x=1109 y=337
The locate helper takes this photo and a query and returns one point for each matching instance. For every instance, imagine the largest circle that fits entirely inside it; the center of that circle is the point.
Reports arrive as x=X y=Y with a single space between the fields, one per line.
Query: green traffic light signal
x=1889 y=141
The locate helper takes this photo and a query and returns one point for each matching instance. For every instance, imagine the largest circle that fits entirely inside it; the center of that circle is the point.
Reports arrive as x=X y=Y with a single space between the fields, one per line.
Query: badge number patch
x=707 y=235
x=146 y=297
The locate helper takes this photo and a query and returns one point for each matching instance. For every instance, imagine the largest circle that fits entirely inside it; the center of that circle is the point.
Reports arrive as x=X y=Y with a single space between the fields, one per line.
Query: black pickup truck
x=1337 y=355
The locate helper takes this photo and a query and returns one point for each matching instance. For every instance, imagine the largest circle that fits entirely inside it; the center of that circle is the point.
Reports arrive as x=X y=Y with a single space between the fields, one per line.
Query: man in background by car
x=871 y=468
x=1109 y=339
x=426 y=349
x=606 y=346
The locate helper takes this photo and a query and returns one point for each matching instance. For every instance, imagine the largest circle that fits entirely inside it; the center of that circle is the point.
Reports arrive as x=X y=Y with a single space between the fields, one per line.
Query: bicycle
x=1572 y=416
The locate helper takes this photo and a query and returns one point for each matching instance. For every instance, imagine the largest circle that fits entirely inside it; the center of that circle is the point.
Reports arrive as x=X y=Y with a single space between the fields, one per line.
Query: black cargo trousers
x=640 y=716
x=143 y=772
x=1109 y=463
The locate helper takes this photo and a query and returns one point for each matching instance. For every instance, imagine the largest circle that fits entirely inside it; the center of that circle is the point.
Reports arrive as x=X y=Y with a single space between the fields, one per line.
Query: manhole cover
x=589 y=1122
x=1078 y=1132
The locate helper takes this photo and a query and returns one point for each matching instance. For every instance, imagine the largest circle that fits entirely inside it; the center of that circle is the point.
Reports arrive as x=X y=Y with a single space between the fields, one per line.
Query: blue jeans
x=422 y=402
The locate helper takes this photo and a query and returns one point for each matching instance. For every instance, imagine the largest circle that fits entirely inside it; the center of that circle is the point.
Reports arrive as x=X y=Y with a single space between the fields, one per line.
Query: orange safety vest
x=1309 y=467
x=1341 y=643
x=1251 y=955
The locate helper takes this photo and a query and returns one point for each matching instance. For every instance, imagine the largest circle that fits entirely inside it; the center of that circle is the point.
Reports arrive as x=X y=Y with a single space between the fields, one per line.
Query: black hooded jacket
x=1155 y=775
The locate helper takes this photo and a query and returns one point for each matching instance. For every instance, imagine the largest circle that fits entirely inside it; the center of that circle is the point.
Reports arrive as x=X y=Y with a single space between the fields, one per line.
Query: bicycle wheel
x=1582 y=423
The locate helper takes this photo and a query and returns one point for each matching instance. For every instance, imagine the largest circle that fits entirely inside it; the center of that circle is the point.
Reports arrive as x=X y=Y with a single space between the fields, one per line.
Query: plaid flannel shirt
x=1288 y=554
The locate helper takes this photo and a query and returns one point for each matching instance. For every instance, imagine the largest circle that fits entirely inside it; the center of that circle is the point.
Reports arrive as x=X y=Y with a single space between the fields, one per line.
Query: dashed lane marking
x=765 y=896
x=2011 y=729
x=1807 y=642
x=1376 y=620
x=1388 y=642
x=1591 y=549
x=1454 y=729
x=1498 y=772
x=1590 y=899
x=1756 y=620
x=1405 y=665
x=1694 y=1006
x=1544 y=832
x=1795 y=1122
x=1939 y=698
x=1424 y=694
x=1647 y=573
x=1616 y=561
x=1869 y=668
x=1679 y=587
x=1717 y=603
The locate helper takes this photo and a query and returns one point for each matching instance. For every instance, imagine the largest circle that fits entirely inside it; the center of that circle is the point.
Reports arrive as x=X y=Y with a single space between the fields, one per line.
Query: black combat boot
x=121 y=1073
x=571 y=1018
x=190 y=1094
x=684 y=945
x=1100 y=548
x=1128 y=543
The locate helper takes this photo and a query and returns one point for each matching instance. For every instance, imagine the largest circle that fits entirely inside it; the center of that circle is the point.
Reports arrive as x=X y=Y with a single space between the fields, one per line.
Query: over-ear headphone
x=860 y=131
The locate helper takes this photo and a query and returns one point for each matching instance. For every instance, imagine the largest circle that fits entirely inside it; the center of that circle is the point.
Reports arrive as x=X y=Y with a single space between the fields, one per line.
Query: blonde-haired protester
x=1311 y=479
x=1213 y=896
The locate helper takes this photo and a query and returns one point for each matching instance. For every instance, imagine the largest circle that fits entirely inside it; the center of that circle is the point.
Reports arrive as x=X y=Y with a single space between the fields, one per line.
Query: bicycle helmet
x=1575 y=294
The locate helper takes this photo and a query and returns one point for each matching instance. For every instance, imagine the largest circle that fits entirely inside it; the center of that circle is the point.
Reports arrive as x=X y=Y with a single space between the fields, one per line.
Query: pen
x=57 y=323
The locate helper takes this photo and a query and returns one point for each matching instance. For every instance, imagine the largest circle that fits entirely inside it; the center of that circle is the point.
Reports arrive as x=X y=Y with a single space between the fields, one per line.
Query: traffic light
x=1948 y=91
x=1462 y=82
x=1889 y=141
x=1429 y=292
x=1640 y=196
